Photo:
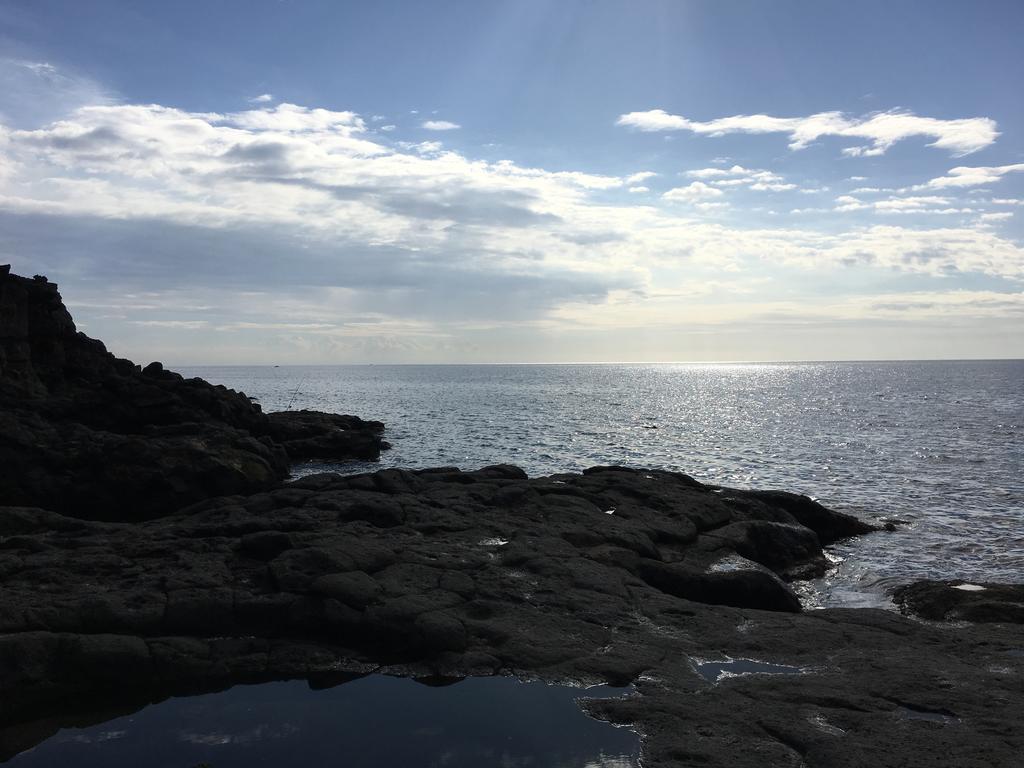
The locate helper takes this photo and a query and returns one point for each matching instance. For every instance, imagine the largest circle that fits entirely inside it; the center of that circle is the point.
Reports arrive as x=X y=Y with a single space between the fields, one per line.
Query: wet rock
x=830 y=526
x=962 y=601
x=741 y=588
x=784 y=548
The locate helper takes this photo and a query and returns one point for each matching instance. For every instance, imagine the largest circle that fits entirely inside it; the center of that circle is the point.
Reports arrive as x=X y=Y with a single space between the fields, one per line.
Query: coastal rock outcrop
x=962 y=601
x=616 y=575
x=86 y=433
x=439 y=566
x=325 y=436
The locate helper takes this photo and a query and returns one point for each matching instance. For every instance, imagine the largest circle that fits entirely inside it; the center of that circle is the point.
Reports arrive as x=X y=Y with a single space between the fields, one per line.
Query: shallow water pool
x=372 y=722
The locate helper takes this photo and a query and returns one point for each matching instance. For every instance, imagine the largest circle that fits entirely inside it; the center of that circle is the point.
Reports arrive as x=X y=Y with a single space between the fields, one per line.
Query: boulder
x=958 y=600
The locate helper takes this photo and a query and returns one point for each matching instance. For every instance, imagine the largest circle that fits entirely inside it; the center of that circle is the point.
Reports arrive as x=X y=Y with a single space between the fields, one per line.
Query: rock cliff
x=86 y=433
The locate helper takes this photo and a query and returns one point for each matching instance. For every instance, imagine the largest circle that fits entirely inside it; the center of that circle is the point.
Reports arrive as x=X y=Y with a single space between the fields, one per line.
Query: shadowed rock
x=325 y=436
x=91 y=435
x=962 y=601
x=613 y=575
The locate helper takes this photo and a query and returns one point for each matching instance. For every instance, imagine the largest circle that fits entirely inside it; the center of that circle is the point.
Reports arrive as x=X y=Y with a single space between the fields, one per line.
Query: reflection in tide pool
x=373 y=722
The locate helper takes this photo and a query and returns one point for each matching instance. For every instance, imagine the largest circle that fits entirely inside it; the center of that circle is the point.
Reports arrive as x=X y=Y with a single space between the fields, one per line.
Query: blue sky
x=520 y=181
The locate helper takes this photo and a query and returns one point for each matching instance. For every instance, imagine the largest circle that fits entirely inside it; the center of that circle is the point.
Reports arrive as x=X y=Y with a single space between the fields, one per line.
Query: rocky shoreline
x=149 y=547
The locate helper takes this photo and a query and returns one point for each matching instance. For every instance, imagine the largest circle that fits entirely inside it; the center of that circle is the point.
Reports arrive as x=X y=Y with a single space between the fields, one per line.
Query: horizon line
x=608 y=362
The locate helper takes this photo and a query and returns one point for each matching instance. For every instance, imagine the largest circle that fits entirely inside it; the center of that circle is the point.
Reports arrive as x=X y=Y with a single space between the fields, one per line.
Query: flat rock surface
x=613 y=575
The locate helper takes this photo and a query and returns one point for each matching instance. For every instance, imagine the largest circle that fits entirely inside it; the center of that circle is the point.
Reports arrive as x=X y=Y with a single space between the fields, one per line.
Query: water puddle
x=372 y=722
x=716 y=671
x=945 y=718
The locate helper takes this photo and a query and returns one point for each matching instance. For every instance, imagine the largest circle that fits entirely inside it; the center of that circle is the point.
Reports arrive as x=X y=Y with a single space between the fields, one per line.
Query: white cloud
x=925 y=201
x=407 y=244
x=857 y=178
x=263 y=98
x=1006 y=201
x=637 y=190
x=291 y=118
x=737 y=175
x=692 y=193
x=709 y=207
x=761 y=186
x=849 y=203
x=882 y=129
x=440 y=125
x=924 y=204
x=714 y=173
x=638 y=178
x=965 y=176
x=1001 y=216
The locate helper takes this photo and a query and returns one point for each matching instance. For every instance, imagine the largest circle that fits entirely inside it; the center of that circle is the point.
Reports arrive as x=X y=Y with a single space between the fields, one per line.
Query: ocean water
x=935 y=446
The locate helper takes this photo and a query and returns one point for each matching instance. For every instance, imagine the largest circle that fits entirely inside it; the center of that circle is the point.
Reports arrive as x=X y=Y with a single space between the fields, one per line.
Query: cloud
x=737 y=175
x=637 y=190
x=263 y=98
x=34 y=92
x=348 y=246
x=926 y=204
x=881 y=129
x=966 y=176
x=771 y=187
x=638 y=178
x=291 y=118
x=191 y=325
x=898 y=203
x=692 y=193
x=1000 y=216
x=439 y=125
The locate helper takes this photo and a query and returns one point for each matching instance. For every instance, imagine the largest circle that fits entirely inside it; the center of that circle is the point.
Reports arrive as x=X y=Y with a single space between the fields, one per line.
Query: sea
x=935 y=447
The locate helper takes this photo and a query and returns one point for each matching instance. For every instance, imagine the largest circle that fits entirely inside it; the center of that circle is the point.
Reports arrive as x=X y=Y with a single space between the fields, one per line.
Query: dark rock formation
x=325 y=436
x=962 y=601
x=91 y=435
x=616 y=575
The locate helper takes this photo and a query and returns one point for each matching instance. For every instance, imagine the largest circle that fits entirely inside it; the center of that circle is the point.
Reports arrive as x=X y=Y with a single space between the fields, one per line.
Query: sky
x=501 y=181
